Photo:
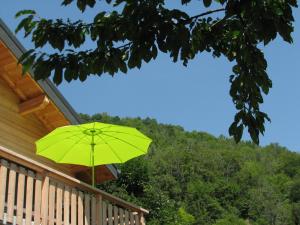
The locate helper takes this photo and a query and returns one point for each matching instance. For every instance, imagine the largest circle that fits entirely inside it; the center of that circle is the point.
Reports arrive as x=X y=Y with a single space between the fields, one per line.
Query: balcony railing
x=32 y=194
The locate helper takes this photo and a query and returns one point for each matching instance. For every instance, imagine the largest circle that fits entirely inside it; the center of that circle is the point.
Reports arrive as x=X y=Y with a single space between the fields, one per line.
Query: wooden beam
x=12 y=85
x=33 y=104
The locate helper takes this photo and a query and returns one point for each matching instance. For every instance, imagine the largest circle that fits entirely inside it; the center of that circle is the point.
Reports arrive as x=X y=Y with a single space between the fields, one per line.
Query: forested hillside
x=194 y=178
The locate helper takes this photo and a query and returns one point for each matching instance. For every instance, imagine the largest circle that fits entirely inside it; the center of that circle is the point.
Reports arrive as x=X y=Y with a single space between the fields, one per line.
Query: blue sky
x=195 y=97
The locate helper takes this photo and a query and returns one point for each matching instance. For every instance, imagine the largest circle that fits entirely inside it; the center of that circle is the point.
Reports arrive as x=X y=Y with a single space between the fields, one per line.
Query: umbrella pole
x=93 y=161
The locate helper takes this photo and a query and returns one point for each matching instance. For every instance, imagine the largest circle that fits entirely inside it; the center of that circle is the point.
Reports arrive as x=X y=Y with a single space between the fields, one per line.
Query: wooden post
x=67 y=205
x=99 y=210
x=20 y=199
x=87 y=209
x=74 y=206
x=94 y=211
x=11 y=192
x=38 y=199
x=3 y=176
x=45 y=200
x=59 y=203
x=143 y=221
x=29 y=197
x=116 y=215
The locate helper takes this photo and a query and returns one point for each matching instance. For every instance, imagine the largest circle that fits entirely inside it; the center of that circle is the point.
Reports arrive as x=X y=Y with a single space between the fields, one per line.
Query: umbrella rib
x=54 y=135
x=71 y=147
x=106 y=127
x=56 y=143
x=128 y=134
x=110 y=148
x=124 y=142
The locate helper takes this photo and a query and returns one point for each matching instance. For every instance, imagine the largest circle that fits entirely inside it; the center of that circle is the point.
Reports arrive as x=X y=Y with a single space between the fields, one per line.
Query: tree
x=138 y=29
x=194 y=178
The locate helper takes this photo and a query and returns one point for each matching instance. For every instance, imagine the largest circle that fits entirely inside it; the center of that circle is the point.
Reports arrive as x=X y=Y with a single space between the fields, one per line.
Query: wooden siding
x=27 y=114
x=20 y=132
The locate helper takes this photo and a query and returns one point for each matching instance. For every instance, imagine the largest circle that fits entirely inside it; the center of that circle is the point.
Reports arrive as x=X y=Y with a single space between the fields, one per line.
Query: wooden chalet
x=33 y=189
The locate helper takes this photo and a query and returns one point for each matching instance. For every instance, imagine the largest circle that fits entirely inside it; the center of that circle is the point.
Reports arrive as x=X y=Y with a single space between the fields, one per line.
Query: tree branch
x=206 y=13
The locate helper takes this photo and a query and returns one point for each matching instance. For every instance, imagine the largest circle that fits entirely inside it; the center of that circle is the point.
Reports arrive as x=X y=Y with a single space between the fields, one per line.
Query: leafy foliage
x=127 y=37
x=193 y=178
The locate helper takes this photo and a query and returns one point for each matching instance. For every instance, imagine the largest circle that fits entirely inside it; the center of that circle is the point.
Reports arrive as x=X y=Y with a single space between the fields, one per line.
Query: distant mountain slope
x=194 y=178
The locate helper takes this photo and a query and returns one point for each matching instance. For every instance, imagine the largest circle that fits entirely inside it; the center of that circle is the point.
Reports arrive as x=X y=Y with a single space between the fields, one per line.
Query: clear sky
x=195 y=97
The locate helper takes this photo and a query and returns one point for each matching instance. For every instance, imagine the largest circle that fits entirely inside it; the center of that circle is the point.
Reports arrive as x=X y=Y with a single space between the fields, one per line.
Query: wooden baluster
x=87 y=212
x=110 y=215
x=38 y=199
x=20 y=198
x=104 y=213
x=80 y=208
x=121 y=215
x=131 y=218
x=126 y=217
x=94 y=211
x=45 y=200
x=59 y=199
x=11 y=192
x=51 y=203
x=29 y=197
x=3 y=177
x=137 y=219
x=73 y=207
x=116 y=215
x=99 y=210
x=142 y=218
x=67 y=205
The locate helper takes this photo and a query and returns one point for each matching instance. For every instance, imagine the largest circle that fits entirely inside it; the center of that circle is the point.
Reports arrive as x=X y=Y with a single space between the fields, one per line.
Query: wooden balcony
x=32 y=193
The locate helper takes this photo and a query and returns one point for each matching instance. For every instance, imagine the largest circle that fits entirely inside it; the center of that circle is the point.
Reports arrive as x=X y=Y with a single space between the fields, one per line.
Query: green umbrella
x=93 y=144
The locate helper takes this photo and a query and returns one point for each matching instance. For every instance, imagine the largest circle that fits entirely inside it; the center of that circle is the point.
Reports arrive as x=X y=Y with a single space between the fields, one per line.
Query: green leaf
x=24 y=12
x=24 y=23
x=27 y=64
x=57 y=78
x=207 y=3
x=25 y=55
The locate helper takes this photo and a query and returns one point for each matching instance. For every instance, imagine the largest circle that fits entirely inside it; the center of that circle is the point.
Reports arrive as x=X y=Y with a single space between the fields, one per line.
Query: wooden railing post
x=143 y=221
x=3 y=176
x=99 y=210
x=45 y=200
x=38 y=199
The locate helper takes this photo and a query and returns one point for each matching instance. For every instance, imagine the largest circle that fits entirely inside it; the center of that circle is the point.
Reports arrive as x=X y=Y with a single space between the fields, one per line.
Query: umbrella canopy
x=93 y=144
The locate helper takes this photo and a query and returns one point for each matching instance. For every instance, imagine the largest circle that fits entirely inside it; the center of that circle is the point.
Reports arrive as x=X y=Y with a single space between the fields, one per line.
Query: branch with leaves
x=126 y=38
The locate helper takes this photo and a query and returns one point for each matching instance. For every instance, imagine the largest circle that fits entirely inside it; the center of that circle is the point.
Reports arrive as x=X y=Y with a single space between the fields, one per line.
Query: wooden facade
x=33 y=189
